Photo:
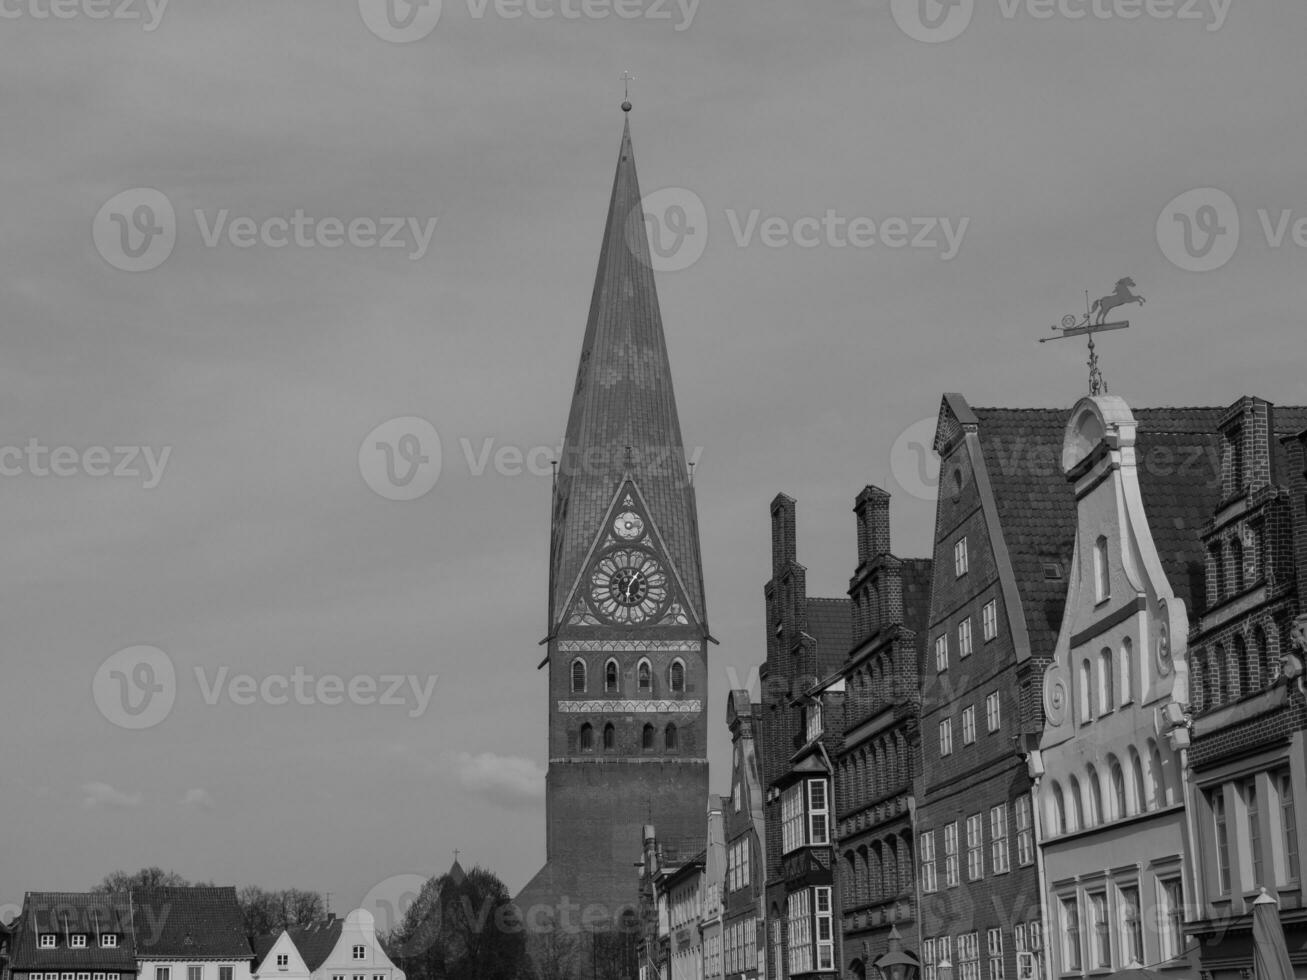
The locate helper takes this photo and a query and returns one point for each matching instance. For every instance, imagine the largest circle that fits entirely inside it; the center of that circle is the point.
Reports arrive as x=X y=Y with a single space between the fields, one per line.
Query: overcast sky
x=257 y=545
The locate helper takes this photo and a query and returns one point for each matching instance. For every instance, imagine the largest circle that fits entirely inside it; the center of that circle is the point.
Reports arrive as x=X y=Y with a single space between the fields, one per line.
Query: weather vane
x=627 y=79
x=1095 y=321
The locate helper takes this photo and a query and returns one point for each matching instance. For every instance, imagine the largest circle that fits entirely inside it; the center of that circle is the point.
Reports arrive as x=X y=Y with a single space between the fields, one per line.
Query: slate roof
x=189 y=923
x=73 y=912
x=1178 y=451
x=623 y=397
x=830 y=623
x=316 y=940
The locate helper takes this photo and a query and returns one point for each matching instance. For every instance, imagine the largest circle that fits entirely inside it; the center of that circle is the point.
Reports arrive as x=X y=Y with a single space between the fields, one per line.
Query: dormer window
x=109 y=940
x=360 y=952
x=283 y=961
x=77 y=941
x=47 y=940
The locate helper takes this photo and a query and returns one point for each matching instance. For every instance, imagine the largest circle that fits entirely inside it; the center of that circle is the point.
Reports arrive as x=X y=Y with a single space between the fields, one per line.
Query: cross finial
x=627 y=79
x=457 y=852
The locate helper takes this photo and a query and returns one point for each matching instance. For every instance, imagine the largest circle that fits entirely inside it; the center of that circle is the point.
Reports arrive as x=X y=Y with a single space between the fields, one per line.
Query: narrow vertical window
x=587 y=737
x=645 y=676
x=1102 y=571
x=669 y=737
x=647 y=738
x=1127 y=671
x=610 y=738
x=677 y=677
x=1132 y=933
x=610 y=677
x=960 y=560
x=1254 y=829
x=1288 y=826
x=1071 y=961
x=1086 y=692
x=578 y=676
x=1222 y=835
x=1105 y=699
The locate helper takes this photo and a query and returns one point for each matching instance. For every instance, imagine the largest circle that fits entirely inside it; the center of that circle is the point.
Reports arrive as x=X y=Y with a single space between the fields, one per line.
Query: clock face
x=628 y=526
x=628 y=586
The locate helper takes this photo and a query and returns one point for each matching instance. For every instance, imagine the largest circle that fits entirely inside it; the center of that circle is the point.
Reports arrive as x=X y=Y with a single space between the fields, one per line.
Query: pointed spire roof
x=623 y=421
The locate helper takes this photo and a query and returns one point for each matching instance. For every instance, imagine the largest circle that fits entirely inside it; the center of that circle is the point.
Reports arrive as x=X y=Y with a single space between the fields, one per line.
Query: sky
x=338 y=685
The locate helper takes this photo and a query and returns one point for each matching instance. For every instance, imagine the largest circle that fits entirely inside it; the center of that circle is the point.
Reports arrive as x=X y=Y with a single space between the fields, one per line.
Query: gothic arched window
x=644 y=675
x=610 y=737
x=610 y=677
x=587 y=737
x=647 y=738
x=578 y=676
x=669 y=738
x=676 y=676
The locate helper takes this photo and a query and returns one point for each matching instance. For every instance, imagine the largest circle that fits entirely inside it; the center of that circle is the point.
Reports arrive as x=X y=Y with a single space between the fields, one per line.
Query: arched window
x=1216 y=562
x=644 y=675
x=891 y=886
x=1095 y=798
x=578 y=676
x=610 y=737
x=1105 y=699
x=1127 y=670
x=647 y=738
x=676 y=677
x=1059 y=809
x=1102 y=571
x=875 y=881
x=610 y=677
x=1201 y=682
x=669 y=737
x=587 y=737
x=1077 y=814
x=1137 y=777
x=1236 y=563
x=1243 y=664
x=1086 y=691
x=1119 y=808
x=1220 y=676
x=1159 y=778
x=1261 y=653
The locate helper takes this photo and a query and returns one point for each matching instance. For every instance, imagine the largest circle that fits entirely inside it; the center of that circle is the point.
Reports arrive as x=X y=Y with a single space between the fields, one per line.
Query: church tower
x=627 y=639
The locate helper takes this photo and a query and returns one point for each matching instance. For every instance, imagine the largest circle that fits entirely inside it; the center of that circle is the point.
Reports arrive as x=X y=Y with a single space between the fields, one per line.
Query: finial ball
x=626 y=106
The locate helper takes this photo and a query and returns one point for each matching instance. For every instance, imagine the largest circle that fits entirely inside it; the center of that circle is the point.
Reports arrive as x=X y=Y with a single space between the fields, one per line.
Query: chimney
x=784 y=551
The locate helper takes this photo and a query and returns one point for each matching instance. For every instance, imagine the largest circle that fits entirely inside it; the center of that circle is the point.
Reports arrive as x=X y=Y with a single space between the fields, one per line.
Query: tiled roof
x=830 y=623
x=66 y=913
x=316 y=941
x=623 y=398
x=1178 y=452
x=189 y=923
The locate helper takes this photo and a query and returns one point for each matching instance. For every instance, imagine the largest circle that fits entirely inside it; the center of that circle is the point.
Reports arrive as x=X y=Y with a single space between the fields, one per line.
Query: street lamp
x=896 y=964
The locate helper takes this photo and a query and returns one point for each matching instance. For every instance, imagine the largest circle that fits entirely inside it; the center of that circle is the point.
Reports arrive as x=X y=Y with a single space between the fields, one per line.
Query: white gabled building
x=333 y=949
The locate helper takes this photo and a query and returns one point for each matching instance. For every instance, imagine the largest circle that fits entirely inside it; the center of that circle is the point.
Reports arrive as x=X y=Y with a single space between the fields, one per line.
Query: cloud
x=507 y=780
x=198 y=798
x=96 y=795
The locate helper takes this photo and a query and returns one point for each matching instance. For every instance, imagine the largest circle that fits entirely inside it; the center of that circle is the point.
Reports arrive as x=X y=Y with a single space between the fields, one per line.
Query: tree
x=121 y=881
x=460 y=927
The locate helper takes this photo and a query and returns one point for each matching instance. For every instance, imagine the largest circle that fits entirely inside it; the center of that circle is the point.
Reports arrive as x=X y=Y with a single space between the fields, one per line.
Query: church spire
x=623 y=421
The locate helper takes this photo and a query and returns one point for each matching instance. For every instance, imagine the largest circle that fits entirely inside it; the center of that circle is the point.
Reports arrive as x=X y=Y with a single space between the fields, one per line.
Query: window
x=968 y=957
x=929 y=970
x=1254 y=829
x=194 y=972
x=1132 y=933
x=994 y=947
x=1105 y=699
x=587 y=737
x=644 y=676
x=1076 y=818
x=813 y=721
x=1095 y=798
x=798 y=931
x=946 y=737
x=225 y=972
x=992 y=719
x=1119 y=807
x=669 y=738
x=610 y=744
x=610 y=677
x=968 y=724
x=47 y=940
x=975 y=847
x=578 y=676
x=960 y=558
x=1217 y=562
x=1217 y=802
x=283 y=961
x=108 y=940
x=1100 y=932
x=964 y=638
x=998 y=851
x=360 y=952
x=1137 y=777
x=941 y=652
x=676 y=677
x=77 y=941
x=1025 y=832
x=164 y=972
x=929 y=883
x=1059 y=810
x=1086 y=692
x=1159 y=780
x=1170 y=918
x=825 y=930
x=1070 y=935
x=951 y=854
x=1236 y=562
x=1102 y=572
x=989 y=620
x=818 y=812
x=1288 y=826
x=84 y=976
x=647 y=738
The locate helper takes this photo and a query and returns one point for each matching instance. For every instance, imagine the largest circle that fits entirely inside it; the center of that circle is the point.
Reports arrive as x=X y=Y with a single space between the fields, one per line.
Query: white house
x=334 y=949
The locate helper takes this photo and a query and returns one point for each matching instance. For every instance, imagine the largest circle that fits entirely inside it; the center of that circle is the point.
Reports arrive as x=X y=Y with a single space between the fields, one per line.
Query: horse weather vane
x=1095 y=321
